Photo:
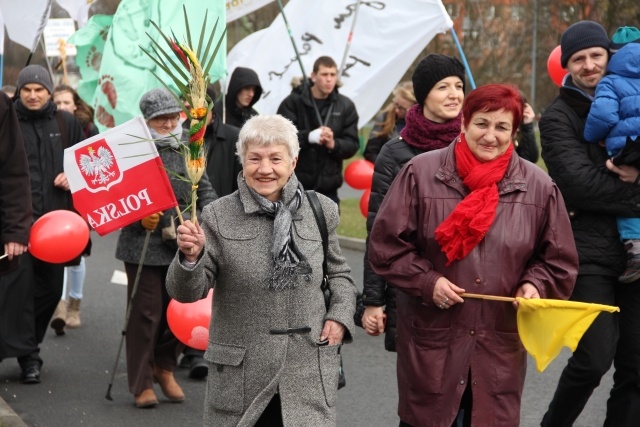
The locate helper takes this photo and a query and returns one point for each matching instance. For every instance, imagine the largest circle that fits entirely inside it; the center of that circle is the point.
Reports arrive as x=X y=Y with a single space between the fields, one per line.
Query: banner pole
x=464 y=58
x=348 y=46
x=488 y=297
x=295 y=48
x=145 y=245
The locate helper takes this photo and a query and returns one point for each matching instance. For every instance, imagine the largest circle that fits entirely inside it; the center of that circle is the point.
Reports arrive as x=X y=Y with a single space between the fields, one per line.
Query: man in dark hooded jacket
x=243 y=92
x=327 y=125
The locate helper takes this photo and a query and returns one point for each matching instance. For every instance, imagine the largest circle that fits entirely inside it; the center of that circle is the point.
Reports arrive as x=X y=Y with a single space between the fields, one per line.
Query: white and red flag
x=117 y=177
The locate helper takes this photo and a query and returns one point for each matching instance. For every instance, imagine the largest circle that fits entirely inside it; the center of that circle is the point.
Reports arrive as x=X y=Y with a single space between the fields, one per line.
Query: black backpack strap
x=316 y=207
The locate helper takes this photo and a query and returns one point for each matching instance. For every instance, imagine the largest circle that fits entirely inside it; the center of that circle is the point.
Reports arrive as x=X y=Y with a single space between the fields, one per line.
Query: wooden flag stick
x=489 y=297
x=179 y=215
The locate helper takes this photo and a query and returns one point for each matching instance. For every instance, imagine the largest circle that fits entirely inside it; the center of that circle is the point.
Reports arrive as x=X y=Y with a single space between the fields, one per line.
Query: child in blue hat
x=615 y=118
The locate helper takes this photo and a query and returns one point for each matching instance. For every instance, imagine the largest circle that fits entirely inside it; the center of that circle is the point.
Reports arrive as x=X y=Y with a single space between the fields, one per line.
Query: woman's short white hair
x=267 y=130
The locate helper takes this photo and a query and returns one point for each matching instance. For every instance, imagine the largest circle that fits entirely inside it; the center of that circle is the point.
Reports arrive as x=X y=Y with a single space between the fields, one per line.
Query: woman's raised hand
x=191 y=240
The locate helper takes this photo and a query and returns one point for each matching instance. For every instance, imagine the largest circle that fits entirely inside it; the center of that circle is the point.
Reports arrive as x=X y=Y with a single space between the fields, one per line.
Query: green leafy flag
x=115 y=70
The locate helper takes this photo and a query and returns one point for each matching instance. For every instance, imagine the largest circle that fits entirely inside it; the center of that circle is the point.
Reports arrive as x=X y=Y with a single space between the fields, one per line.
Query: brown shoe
x=146 y=399
x=73 y=313
x=58 y=321
x=168 y=384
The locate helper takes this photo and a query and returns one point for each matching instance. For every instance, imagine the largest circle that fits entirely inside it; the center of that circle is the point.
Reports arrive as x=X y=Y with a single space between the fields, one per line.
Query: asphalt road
x=77 y=370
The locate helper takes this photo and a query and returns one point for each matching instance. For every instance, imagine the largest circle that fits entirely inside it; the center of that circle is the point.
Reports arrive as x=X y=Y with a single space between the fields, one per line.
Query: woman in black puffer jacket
x=433 y=123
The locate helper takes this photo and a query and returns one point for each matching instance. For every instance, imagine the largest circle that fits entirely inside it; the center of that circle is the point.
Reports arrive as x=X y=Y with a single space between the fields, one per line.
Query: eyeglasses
x=165 y=119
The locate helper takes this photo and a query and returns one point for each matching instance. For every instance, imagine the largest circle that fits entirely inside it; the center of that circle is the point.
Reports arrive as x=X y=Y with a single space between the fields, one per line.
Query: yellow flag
x=545 y=325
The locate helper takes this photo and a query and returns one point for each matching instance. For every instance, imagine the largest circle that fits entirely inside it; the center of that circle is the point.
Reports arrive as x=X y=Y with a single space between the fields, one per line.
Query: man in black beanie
x=46 y=133
x=594 y=197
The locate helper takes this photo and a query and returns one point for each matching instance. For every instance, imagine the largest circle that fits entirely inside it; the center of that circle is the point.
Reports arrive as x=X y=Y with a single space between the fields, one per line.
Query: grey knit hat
x=35 y=74
x=158 y=102
x=582 y=35
x=431 y=69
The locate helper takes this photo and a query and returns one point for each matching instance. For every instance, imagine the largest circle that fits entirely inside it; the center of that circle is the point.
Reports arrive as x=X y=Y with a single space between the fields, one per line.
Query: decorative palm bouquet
x=191 y=78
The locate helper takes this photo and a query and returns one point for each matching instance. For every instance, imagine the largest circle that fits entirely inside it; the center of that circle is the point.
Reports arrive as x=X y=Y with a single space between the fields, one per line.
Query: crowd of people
x=458 y=208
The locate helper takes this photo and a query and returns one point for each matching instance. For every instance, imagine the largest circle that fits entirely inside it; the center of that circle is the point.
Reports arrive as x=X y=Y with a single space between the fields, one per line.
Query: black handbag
x=316 y=207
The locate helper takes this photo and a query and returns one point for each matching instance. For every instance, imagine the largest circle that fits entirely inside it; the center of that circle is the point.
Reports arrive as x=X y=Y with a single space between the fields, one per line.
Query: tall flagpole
x=464 y=58
x=295 y=48
x=534 y=49
x=349 y=39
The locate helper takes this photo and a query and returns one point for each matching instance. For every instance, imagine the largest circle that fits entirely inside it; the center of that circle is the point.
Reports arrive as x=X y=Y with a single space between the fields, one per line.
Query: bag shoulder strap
x=316 y=207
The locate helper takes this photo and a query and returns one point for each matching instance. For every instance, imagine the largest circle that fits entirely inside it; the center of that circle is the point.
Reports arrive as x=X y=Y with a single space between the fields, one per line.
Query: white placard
x=56 y=30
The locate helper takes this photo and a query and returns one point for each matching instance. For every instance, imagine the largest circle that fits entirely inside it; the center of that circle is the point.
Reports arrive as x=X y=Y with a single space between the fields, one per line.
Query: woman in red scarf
x=474 y=218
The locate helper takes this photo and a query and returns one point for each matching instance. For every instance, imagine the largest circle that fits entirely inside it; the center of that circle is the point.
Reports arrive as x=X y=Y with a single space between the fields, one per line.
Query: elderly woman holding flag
x=274 y=342
x=472 y=217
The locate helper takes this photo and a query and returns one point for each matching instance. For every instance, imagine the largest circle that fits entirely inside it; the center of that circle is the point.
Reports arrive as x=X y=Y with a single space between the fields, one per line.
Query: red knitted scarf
x=468 y=223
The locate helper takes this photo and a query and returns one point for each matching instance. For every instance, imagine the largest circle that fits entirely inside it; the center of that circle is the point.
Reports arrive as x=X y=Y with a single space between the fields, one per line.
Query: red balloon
x=364 y=202
x=359 y=174
x=58 y=236
x=189 y=322
x=556 y=72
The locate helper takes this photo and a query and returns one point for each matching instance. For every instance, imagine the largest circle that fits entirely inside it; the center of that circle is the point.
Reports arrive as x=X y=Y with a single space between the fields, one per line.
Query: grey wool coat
x=248 y=364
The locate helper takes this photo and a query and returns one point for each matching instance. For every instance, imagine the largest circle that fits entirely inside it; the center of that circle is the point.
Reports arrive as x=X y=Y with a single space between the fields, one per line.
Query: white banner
x=387 y=38
x=25 y=23
x=239 y=8
x=78 y=10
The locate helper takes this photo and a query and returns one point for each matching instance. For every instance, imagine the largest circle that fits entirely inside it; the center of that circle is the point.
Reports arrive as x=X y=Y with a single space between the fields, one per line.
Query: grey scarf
x=171 y=140
x=288 y=261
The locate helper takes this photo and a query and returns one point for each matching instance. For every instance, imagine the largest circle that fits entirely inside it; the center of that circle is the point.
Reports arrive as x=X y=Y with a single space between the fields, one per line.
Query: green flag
x=123 y=71
x=89 y=42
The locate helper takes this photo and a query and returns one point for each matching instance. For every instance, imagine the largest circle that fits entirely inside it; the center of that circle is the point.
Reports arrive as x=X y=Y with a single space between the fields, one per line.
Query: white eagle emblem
x=97 y=166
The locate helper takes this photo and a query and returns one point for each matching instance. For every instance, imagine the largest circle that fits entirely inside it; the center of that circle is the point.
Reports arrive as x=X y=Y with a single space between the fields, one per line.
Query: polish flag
x=117 y=177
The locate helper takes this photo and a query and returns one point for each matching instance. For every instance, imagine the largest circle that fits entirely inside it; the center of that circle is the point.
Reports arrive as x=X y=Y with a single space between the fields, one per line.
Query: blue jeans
x=629 y=228
x=74 y=275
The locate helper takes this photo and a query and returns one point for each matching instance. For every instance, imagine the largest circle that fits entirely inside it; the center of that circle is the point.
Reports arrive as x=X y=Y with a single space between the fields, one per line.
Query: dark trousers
x=49 y=279
x=17 y=318
x=334 y=197
x=33 y=291
x=612 y=338
x=150 y=342
x=192 y=352
x=272 y=415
